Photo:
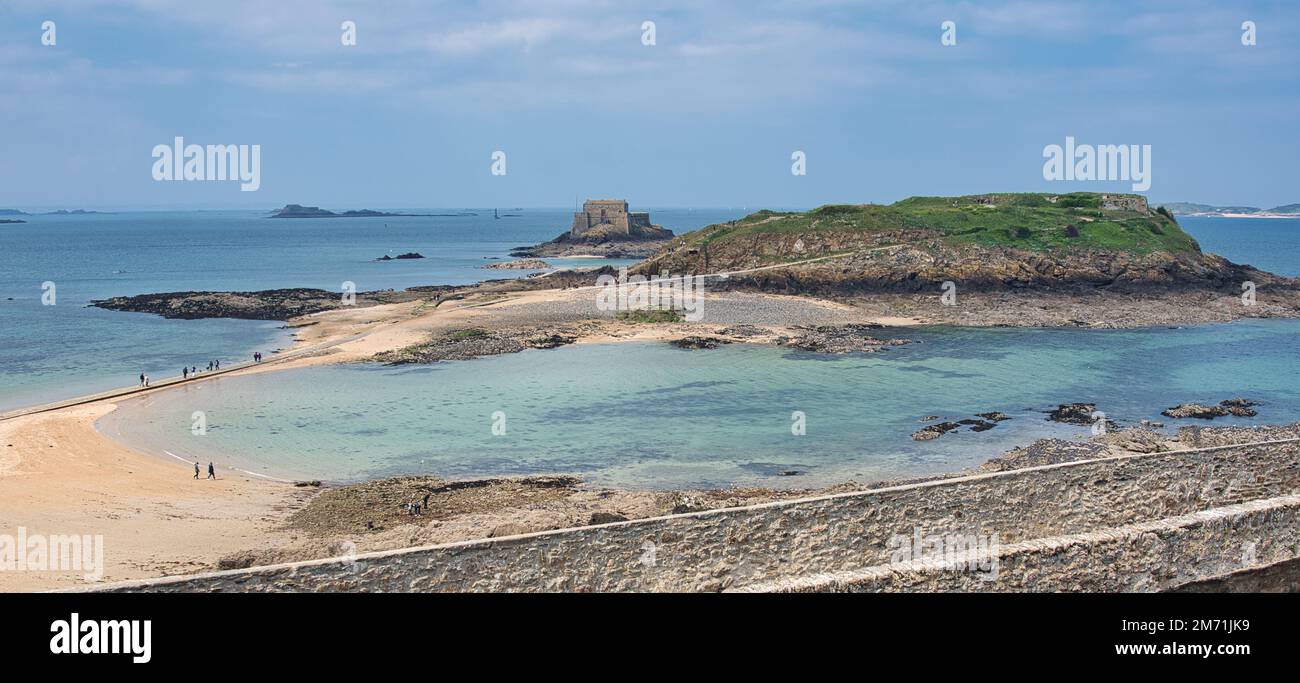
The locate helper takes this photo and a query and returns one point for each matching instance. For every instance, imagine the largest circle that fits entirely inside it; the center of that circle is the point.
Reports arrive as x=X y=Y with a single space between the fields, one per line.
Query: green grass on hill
x=1027 y=221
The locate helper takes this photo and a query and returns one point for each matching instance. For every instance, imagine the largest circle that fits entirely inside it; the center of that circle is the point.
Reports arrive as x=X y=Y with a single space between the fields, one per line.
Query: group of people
x=186 y=373
x=190 y=371
x=212 y=471
x=416 y=508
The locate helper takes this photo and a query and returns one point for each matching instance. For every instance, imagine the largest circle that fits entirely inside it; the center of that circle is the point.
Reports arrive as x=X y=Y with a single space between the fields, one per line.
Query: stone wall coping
x=523 y=538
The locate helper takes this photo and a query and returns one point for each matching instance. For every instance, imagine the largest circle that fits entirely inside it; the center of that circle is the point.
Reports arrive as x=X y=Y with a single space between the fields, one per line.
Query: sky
x=706 y=116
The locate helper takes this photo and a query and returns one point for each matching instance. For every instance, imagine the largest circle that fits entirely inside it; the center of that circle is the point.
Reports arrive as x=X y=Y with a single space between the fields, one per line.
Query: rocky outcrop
x=1073 y=413
x=850 y=338
x=986 y=422
x=698 y=342
x=476 y=343
x=1238 y=407
x=400 y=257
x=605 y=518
x=934 y=431
x=601 y=242
x=271 y=304
x=1196 y=410
x=526 y=264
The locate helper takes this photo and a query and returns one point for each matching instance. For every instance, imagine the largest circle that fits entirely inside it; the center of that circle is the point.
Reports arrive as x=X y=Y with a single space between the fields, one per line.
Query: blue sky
x=709 y=116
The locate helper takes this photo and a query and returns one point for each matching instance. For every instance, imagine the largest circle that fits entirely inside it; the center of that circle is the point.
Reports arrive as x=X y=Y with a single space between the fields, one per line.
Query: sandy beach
x=60 y=476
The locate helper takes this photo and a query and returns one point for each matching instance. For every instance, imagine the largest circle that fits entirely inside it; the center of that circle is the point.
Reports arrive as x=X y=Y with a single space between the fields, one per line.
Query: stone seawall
x=1261 y=535
x=737 y=547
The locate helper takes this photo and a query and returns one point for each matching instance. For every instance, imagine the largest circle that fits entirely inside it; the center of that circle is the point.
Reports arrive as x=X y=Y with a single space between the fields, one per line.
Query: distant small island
x=12 y=220
x=399 y=257
x=60 y=212
x=1190 y=209
x=300 y=211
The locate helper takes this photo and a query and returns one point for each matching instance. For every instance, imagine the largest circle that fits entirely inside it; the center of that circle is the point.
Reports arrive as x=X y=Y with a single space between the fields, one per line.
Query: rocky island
x=401 y=257
x=604 y=228
x=1192 y=209
x=300 y=211
x=1080 y=259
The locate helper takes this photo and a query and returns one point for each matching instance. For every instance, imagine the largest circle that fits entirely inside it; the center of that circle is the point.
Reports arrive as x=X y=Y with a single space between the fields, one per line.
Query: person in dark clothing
x=217 y=363
x=212 y=472
x=196 y=469
x=185 y=373
x=142 y=379
x=426 y=501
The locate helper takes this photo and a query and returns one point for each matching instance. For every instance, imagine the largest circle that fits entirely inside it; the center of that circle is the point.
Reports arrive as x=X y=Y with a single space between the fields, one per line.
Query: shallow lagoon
x=652 y=416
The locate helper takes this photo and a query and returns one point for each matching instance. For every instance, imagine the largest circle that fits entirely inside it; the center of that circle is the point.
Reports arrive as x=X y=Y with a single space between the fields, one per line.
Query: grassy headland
x=1034 y=222
x=980 y=242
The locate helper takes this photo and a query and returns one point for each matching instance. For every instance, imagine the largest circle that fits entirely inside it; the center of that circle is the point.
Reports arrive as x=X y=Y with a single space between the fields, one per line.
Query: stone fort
x=612 y=214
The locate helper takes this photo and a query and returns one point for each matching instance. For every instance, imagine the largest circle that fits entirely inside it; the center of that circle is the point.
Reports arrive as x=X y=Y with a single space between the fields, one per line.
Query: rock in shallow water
x=1073 y=413
x=697 y=342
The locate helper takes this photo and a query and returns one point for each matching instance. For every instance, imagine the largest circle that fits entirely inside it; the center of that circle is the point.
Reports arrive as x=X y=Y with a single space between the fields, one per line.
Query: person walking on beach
x=212 y=472
x=209 y=366
x=146 y=381
x=196 y=469
x=142 y=379
x=185 y=373
x=218 y=364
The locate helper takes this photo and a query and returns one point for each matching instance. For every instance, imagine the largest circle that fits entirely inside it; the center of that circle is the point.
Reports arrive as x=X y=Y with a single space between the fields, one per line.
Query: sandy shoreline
x=60 y=476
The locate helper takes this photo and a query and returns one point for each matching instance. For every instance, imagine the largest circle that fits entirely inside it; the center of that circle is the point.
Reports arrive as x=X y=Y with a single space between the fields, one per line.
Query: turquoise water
x=54 y=352
x=649 y=415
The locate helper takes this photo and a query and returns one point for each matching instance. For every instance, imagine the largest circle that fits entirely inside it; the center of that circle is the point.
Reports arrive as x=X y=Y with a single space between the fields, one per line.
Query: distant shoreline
x=1239 y=215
